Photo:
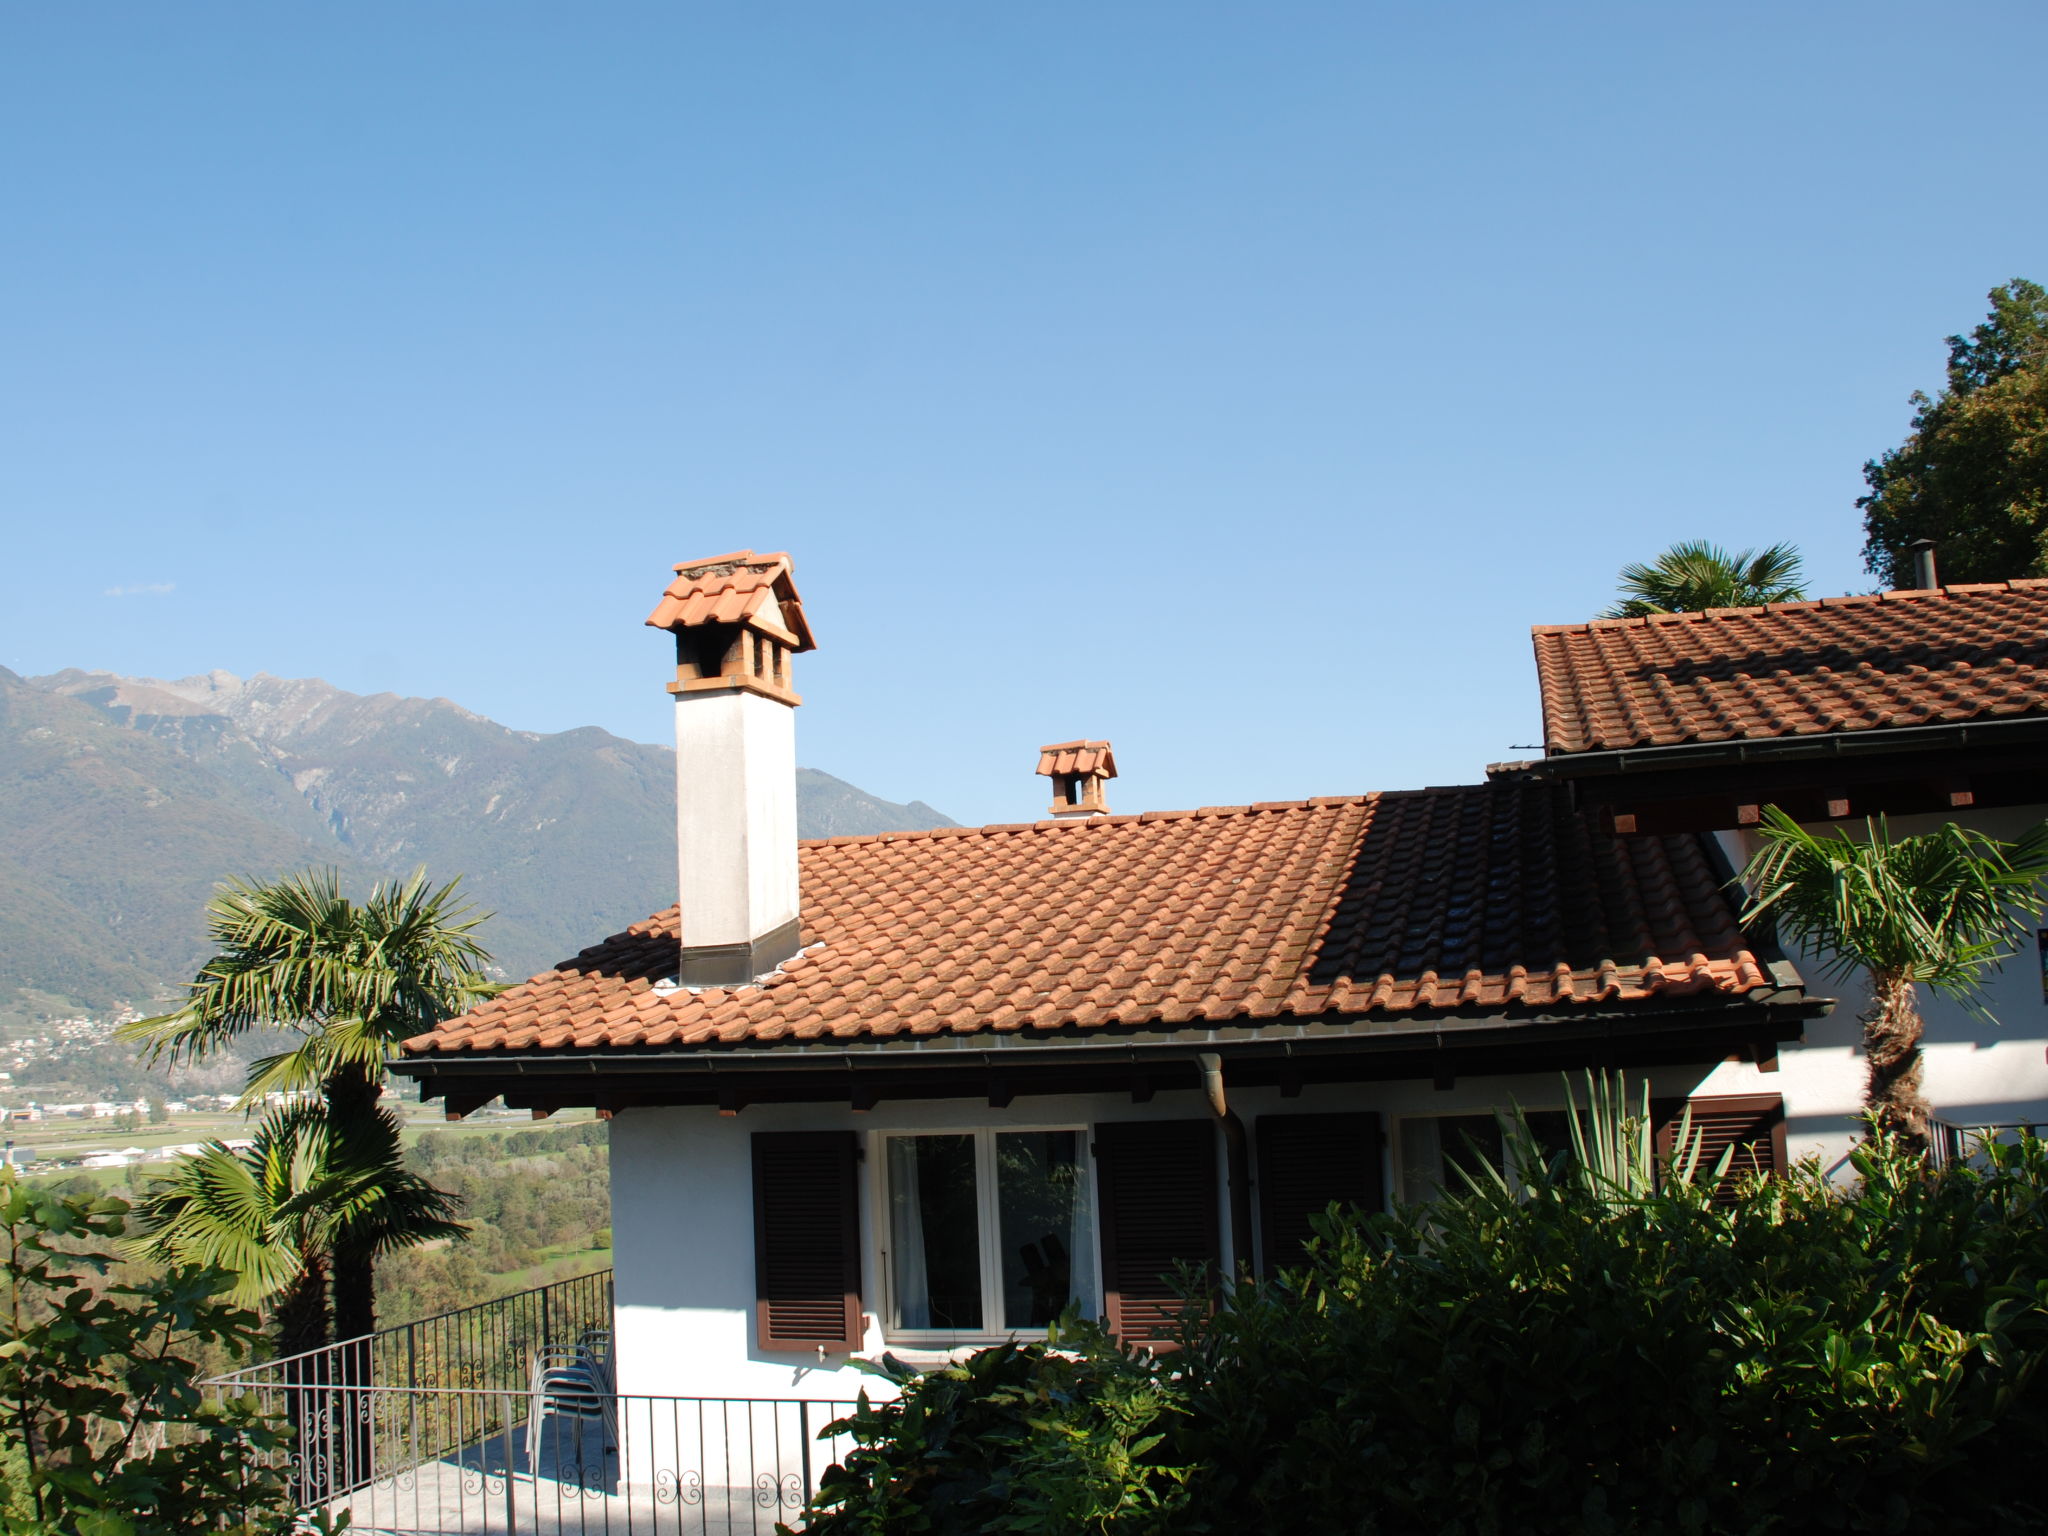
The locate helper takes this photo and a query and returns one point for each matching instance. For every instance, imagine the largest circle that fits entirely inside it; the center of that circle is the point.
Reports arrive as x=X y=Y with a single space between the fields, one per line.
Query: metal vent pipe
x=1924 y=578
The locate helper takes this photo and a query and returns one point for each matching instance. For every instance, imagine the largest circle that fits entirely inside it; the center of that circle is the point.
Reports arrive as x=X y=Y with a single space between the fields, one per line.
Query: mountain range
x=124 y=799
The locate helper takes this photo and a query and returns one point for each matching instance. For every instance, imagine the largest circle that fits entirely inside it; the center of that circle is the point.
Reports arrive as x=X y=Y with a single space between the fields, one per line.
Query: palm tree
x=1693 y=576
x=353 y=979
x=1937 y=910
x=274 y=1214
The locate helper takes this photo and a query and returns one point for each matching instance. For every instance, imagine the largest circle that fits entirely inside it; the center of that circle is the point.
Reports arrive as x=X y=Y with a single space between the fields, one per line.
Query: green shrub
x=1018 y=1439
x=1562 y=1359
x=1582 y=1349
x=106 y=1433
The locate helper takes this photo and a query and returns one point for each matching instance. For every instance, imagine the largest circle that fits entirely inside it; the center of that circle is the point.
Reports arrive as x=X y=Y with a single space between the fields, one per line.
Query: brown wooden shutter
x=1754 y=1125
x=1305 y=1163
x=1158 y=1184
x=807 y=1239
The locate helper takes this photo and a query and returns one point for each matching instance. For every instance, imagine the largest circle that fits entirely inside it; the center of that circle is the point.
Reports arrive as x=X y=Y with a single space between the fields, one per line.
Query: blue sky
x=1236 y=382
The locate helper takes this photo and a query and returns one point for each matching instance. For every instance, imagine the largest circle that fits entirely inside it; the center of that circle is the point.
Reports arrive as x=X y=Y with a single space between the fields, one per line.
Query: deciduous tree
x=1973 y=475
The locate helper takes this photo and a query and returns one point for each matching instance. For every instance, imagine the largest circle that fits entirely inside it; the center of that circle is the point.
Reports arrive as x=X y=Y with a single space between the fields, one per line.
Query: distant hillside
x=123 y=799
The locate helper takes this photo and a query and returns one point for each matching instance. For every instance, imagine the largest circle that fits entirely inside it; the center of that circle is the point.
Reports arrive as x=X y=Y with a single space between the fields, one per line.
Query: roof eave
x=1293 y=1036
x=1954 y=735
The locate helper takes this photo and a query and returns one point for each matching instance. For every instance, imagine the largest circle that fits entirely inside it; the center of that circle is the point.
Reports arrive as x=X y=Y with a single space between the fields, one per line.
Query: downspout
x=1237 y=1160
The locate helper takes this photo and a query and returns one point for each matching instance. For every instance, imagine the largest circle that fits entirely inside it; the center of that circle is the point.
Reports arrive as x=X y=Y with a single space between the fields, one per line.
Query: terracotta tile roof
x=1082 y=757
x=1796 y=669
x=1467 y=899
x=731 y=589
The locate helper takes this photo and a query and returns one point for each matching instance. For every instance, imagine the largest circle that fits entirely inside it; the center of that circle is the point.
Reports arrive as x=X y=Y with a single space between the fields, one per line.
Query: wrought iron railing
x=503 y=1417
x=471 y=1462
x=1948 y=1142
x=486 y=1345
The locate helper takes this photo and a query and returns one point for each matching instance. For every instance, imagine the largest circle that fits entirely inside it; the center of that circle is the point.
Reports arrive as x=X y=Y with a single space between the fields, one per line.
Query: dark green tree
x=1973 y=476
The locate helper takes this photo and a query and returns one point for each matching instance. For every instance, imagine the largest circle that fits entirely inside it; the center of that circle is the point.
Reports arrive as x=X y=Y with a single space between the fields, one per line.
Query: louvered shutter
x=807 y=1239
x=1753 y=1125
x=1305 y=1163
x=1158 y=1185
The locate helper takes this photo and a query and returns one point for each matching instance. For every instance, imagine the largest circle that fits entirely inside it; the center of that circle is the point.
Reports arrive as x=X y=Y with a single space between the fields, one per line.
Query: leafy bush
x=1580 y=1349
x=1019 y=1438
x=1561 y=1359
x=106 y=1433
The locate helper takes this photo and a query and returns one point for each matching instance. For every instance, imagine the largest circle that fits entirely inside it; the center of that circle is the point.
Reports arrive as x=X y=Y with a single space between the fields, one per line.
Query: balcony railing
x=504 y=1418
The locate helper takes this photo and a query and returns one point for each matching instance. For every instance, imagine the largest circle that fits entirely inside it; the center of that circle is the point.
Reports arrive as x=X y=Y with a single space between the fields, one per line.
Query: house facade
x=922 y=1091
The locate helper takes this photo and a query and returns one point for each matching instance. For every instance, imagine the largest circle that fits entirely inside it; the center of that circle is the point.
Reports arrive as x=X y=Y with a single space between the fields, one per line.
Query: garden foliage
x=106 y=1432
x=1572 y=1349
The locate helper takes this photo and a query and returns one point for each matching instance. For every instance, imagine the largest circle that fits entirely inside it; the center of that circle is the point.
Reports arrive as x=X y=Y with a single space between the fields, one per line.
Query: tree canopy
x=1973 y=475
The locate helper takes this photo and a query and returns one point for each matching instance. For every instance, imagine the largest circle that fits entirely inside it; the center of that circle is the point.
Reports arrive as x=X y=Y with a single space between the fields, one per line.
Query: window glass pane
x=1552 y=1132
x=934 y=1244
x=1048 y=1234
x=1434 y=1150
x=1471 y=1145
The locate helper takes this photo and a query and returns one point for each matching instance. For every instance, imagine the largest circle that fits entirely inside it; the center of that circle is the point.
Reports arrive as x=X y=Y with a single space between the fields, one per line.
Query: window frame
x=988 y=1222
x=1398 y=1146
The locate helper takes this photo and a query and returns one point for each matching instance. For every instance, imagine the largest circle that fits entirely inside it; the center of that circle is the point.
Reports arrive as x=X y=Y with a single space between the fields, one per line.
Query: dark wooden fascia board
x=1835 y=746
x=623 y=1079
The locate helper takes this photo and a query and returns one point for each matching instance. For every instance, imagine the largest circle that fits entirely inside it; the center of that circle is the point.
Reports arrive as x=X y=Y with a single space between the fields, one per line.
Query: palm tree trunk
x=351 y=1096
x=300 y=1317
x=1891 y=1047
x=351 y=1107
x=300 y=1313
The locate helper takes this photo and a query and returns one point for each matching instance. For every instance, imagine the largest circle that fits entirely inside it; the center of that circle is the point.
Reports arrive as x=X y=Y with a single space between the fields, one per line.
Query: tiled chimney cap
x=1078 y=770
x=1090 y=759
x=734 y=589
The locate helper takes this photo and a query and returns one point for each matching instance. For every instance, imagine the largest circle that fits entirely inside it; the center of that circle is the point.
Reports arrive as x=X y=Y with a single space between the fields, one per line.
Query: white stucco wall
x=1976 y=1072
x=682 y=1212
x=735 y=815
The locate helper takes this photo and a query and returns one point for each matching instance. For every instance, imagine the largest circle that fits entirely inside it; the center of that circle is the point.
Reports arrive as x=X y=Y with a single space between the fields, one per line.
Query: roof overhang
x=1290 y=1054
x=1837 y=746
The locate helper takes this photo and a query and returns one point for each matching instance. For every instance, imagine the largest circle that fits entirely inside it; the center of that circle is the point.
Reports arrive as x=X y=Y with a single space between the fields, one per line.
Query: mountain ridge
x=566 y=836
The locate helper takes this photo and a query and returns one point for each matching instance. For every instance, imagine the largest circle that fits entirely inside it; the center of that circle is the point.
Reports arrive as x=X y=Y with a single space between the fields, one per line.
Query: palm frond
x=265 y=1212
x=357 y=976
x=1694 y=575
x=1941 y=908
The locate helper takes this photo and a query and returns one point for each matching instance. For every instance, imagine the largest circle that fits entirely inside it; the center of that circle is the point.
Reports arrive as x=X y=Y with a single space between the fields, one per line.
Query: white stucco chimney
x=1078 y=770
x=737 y=620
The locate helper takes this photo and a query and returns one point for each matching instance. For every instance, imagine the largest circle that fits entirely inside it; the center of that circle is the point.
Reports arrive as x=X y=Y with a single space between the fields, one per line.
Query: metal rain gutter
x=1878 y=742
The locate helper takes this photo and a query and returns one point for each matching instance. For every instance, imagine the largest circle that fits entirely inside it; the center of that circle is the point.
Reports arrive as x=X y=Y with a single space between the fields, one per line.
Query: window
x=989 y=1233
x=1440 y=1151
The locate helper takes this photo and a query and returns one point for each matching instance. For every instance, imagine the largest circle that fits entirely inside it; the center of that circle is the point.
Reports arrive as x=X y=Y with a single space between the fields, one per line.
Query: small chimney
x=737 y=620
x=1922 y=551
x=1078 y=770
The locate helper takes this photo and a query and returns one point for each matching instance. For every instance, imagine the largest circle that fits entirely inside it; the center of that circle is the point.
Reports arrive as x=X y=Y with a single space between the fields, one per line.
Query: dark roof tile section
x=1796 y=669
x=1478 y=898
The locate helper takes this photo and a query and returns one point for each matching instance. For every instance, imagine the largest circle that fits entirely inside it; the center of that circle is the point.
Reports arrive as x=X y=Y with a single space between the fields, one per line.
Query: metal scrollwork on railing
x=767 y=1490
x=792 y=1491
